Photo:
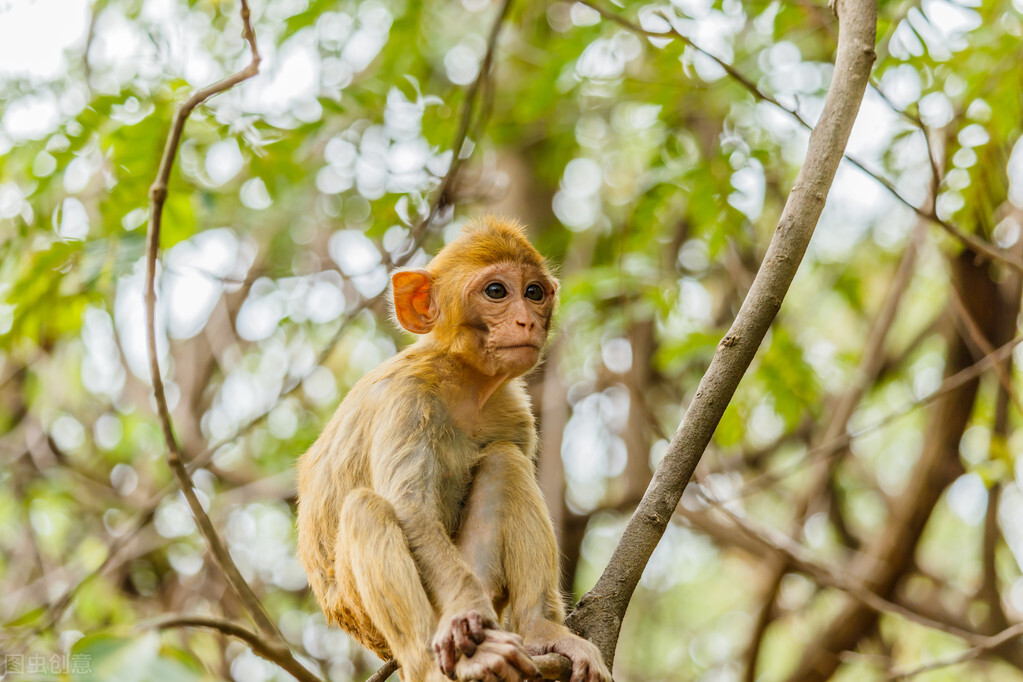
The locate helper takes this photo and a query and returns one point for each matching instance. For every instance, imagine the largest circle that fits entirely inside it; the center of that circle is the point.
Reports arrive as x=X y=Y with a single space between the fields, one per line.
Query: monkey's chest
x=455 y=482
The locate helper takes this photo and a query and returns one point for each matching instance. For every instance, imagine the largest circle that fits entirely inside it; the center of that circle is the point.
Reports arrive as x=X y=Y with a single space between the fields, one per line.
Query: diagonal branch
x=274 y=652
x=980 y=246
x=982 y=647
x=599 y=614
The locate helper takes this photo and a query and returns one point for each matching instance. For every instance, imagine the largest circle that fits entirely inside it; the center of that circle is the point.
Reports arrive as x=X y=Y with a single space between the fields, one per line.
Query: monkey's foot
x=587 y=663
x=501 y=657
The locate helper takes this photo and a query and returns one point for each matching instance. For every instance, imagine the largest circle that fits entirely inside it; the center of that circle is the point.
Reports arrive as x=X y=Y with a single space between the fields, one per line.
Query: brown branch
x=385 y=671
x=978 y=245
x=271 y=651
x=175 y=456
x=443 y=196
x=599 y=614
x=982 y=647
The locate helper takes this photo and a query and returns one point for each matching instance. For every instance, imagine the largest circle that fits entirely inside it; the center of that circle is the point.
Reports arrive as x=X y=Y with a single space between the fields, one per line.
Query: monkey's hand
x=458 y=636
x=500 y=657
x=587 y=663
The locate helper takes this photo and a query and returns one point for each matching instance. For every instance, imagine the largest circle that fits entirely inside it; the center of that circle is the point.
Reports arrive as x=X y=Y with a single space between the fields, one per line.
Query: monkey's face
x=508 y=314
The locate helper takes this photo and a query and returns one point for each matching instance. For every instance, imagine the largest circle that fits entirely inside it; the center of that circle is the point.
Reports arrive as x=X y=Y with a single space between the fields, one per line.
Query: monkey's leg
x=508 y=539
x=373 y=552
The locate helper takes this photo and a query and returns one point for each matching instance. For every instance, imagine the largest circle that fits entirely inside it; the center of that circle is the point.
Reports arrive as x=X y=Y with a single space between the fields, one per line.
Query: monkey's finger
x=463 y=640
x=476 y=626
x=518 y=657
x=445 y=657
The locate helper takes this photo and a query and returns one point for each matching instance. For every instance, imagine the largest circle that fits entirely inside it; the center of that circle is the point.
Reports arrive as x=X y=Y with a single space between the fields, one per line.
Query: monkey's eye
x=495 y=290
x=534 y=292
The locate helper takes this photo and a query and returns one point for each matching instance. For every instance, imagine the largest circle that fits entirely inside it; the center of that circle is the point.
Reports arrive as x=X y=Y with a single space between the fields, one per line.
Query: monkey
x=421 y=526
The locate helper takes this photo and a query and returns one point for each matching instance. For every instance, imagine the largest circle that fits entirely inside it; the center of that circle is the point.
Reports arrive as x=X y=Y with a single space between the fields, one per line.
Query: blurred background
x=652 y=171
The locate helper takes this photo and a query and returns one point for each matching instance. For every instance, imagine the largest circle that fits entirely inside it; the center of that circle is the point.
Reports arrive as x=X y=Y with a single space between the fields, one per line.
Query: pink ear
x=413 y=303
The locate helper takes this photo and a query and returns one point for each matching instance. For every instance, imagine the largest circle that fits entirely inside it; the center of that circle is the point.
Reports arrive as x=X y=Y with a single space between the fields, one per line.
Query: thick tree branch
x=599 y=614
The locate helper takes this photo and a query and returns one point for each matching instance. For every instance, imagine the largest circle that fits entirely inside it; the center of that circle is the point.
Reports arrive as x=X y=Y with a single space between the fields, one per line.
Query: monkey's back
x=337 y=463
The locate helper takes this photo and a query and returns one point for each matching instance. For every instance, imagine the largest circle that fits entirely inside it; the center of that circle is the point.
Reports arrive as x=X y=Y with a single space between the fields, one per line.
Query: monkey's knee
x=364 y=514
x=376 y=569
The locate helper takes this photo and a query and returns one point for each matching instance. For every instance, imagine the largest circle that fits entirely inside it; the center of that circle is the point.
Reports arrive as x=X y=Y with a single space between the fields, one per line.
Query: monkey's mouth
x=520 y=345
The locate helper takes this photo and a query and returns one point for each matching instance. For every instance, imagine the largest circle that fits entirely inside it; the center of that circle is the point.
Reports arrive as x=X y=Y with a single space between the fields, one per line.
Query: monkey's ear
x=413 y=302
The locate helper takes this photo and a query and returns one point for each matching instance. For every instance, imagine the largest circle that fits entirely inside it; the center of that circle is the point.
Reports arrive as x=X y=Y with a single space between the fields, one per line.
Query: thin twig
x=272 y=651
x=830 y=448
x=983 y=646
x=385 y=671
x=980 y=246
x=175 y=456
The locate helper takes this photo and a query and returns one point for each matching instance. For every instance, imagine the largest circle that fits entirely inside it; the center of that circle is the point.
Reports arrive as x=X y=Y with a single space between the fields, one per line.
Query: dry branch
x=599 y=614
x=977 y=244
x=274 y=652
x=175 y=457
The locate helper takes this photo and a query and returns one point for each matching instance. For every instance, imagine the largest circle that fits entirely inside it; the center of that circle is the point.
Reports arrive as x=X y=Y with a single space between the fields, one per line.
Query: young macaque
x=420 y=522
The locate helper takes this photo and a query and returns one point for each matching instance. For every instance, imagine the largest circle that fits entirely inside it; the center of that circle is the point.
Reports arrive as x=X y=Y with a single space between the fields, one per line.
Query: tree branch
x=978 y=245
x=984 y=646
x=175 y=456
x=599 y=614
x=272 y=651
